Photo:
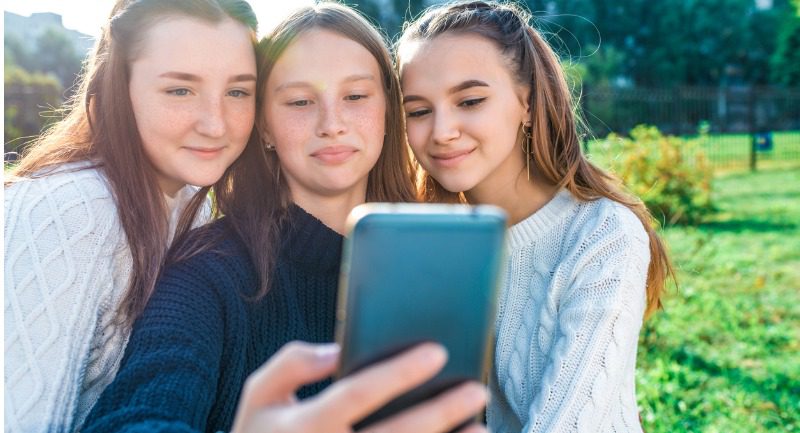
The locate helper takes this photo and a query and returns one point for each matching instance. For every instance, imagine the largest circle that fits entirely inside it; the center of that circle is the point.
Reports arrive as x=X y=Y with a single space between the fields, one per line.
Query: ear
x=524 y=95
x=263 y=131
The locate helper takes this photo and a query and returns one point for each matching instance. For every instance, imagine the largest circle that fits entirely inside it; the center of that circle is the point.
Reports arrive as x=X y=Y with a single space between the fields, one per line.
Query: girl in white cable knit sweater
x=490 y=119
x=167 y=100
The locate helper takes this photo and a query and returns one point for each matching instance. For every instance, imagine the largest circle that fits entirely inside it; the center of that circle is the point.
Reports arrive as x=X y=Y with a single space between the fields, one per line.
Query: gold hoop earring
x=527 y=131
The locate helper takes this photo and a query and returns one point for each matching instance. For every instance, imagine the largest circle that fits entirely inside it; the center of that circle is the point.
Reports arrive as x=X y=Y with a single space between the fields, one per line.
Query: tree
x=56 y=53
x=786 y=60
x=29 y=97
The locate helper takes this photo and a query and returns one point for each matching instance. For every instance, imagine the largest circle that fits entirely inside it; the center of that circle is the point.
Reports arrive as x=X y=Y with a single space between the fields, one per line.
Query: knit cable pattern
x=573 y=302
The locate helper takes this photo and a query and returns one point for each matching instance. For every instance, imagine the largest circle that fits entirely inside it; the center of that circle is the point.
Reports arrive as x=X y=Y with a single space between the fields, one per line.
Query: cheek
x=242 y=120
x=416 y=133
x=287 y=127
x=370 y=119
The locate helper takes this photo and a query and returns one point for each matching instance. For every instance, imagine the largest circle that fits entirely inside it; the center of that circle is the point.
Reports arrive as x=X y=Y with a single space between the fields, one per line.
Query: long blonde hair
x=555 y=143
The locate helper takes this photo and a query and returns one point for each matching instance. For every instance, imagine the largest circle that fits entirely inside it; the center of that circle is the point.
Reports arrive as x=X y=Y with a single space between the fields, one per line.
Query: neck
x=331 y=210
x=519 y=196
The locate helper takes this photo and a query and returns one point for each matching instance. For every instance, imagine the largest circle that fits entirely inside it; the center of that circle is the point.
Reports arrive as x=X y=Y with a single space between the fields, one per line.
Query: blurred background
x=694 y=104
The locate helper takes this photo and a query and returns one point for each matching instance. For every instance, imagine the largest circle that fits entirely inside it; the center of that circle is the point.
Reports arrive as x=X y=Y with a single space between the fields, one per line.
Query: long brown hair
x=555 y=144
x=254 y=197
x=100 y=128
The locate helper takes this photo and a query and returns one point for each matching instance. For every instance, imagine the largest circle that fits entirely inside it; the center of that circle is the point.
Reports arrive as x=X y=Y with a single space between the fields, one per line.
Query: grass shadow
x=775 y=389
x=747 y=225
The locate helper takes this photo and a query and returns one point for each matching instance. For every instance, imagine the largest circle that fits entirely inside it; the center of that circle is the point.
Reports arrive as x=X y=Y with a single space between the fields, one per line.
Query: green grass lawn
x=724 y=355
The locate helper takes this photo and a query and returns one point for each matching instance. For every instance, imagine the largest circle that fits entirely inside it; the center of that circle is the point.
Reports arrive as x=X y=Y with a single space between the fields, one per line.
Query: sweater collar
x=309 y=242
x=542 y=221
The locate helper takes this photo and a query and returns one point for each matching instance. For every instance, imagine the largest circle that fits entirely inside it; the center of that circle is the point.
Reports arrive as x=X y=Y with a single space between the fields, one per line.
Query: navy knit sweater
x=199 y=338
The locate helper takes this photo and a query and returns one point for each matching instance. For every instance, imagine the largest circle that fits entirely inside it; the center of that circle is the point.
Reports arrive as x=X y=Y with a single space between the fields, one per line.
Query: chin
x=456 y=185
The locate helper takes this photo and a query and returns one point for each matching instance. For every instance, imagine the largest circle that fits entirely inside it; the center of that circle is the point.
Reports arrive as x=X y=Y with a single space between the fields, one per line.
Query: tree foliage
x=649 y=43
x=31 y=99
x=785 y=62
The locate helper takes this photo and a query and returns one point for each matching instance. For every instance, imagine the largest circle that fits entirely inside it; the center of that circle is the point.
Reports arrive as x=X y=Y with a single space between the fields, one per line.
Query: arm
x=595 y=333
x=168 y=377
x=61 y=236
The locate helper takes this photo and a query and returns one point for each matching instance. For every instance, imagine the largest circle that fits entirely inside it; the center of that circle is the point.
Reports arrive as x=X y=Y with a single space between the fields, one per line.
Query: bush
x=671 y=175
x=31 y=103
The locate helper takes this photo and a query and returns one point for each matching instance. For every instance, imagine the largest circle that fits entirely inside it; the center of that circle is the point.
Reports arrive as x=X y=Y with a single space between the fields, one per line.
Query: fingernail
x=435 y=353
x=327 y=353
x=475 y=394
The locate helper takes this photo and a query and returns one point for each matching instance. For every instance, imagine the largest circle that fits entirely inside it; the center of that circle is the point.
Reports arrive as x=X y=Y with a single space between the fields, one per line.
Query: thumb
x=295 y=365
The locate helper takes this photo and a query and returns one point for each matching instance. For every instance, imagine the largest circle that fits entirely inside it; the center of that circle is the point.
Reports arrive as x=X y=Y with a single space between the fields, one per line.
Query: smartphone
x=419 y=272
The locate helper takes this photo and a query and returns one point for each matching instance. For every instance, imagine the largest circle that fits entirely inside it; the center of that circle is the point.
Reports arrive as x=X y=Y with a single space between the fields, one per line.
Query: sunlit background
x=695 y=105
x=86 y=16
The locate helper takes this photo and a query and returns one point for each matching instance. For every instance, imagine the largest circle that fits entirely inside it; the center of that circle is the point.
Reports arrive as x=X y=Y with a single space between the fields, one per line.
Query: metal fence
x=737 y=126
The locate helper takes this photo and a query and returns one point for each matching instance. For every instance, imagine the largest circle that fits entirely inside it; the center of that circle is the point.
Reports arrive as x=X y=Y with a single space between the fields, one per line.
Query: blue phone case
x=419 y=272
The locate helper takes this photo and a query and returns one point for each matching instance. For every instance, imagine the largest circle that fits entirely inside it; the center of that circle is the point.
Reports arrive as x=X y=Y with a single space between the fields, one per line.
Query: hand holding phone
x=418 y=272
x=268 y=403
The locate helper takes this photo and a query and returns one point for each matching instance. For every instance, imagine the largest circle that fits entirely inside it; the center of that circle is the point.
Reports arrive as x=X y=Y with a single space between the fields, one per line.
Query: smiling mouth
x=334 y=154
x=205 y=153
x=451 y=159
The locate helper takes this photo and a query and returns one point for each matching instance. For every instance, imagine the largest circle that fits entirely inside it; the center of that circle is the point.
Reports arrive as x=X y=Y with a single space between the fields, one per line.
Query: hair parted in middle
x=253 y=195
x=553 y=138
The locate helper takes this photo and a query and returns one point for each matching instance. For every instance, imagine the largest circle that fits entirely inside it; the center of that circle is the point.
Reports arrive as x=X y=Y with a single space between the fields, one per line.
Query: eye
x=355 y=97
x=472 y=102
x=418 y=113
x=300 y=103
x=236 y=93
x=178 y=92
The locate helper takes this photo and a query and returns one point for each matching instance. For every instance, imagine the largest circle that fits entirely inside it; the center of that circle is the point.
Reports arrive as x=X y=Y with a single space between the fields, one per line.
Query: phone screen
x=409 y=277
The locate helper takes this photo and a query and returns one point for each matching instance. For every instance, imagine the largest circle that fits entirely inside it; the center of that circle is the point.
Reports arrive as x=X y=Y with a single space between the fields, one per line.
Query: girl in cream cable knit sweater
x=489 y=117
x=93 y=206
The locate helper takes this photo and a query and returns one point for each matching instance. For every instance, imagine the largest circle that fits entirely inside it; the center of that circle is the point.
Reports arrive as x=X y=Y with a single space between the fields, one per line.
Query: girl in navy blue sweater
x=329 y=137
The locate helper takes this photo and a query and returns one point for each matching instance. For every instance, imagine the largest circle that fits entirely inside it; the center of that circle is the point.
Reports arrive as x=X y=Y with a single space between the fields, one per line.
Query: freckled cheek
x=291 y=132
x=370 y=120
x=242 y=120
x=163 y=117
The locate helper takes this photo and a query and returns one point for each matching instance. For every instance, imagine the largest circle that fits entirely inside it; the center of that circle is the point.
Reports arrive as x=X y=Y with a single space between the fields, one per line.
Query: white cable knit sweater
x=67 y=265
x=569 y=315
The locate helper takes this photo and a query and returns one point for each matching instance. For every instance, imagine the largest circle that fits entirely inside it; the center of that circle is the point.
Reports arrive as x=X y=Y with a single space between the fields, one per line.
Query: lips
x=206 y=152
x=334 y=154
x=451 y=159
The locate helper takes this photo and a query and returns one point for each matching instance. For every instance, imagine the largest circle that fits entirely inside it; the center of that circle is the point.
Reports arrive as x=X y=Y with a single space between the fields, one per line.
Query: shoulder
x=607 y=246
x=76 y=189
x=71 y=209
x=214 y=253
x=603 y=221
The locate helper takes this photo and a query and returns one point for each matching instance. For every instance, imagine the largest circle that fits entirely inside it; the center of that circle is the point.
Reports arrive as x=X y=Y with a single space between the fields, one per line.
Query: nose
x=331 y=123
x=211 y=121
x=445 y=127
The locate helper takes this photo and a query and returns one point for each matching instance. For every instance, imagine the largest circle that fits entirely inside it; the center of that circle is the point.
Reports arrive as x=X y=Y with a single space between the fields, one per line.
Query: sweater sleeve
x=61 y=236
x=597 y=326
x=168 y=377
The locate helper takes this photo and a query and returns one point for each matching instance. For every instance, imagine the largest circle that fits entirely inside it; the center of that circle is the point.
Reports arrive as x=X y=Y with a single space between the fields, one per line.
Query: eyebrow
x=303 y=84
x=455 y=89
x=185 y=76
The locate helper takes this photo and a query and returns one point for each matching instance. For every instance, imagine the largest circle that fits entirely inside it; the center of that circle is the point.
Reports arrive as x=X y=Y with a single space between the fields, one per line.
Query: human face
x=192 y=88
x=325 y=114
x=464 y=111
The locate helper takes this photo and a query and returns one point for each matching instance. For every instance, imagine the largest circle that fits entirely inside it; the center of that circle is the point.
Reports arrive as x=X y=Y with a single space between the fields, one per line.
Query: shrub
x=671 y=175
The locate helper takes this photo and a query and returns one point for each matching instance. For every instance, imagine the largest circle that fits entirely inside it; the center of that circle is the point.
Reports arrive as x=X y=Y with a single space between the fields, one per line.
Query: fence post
x=751 y=119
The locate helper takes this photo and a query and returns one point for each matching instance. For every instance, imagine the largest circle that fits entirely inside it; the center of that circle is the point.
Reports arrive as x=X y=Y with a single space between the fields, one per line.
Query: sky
x=86 y=16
